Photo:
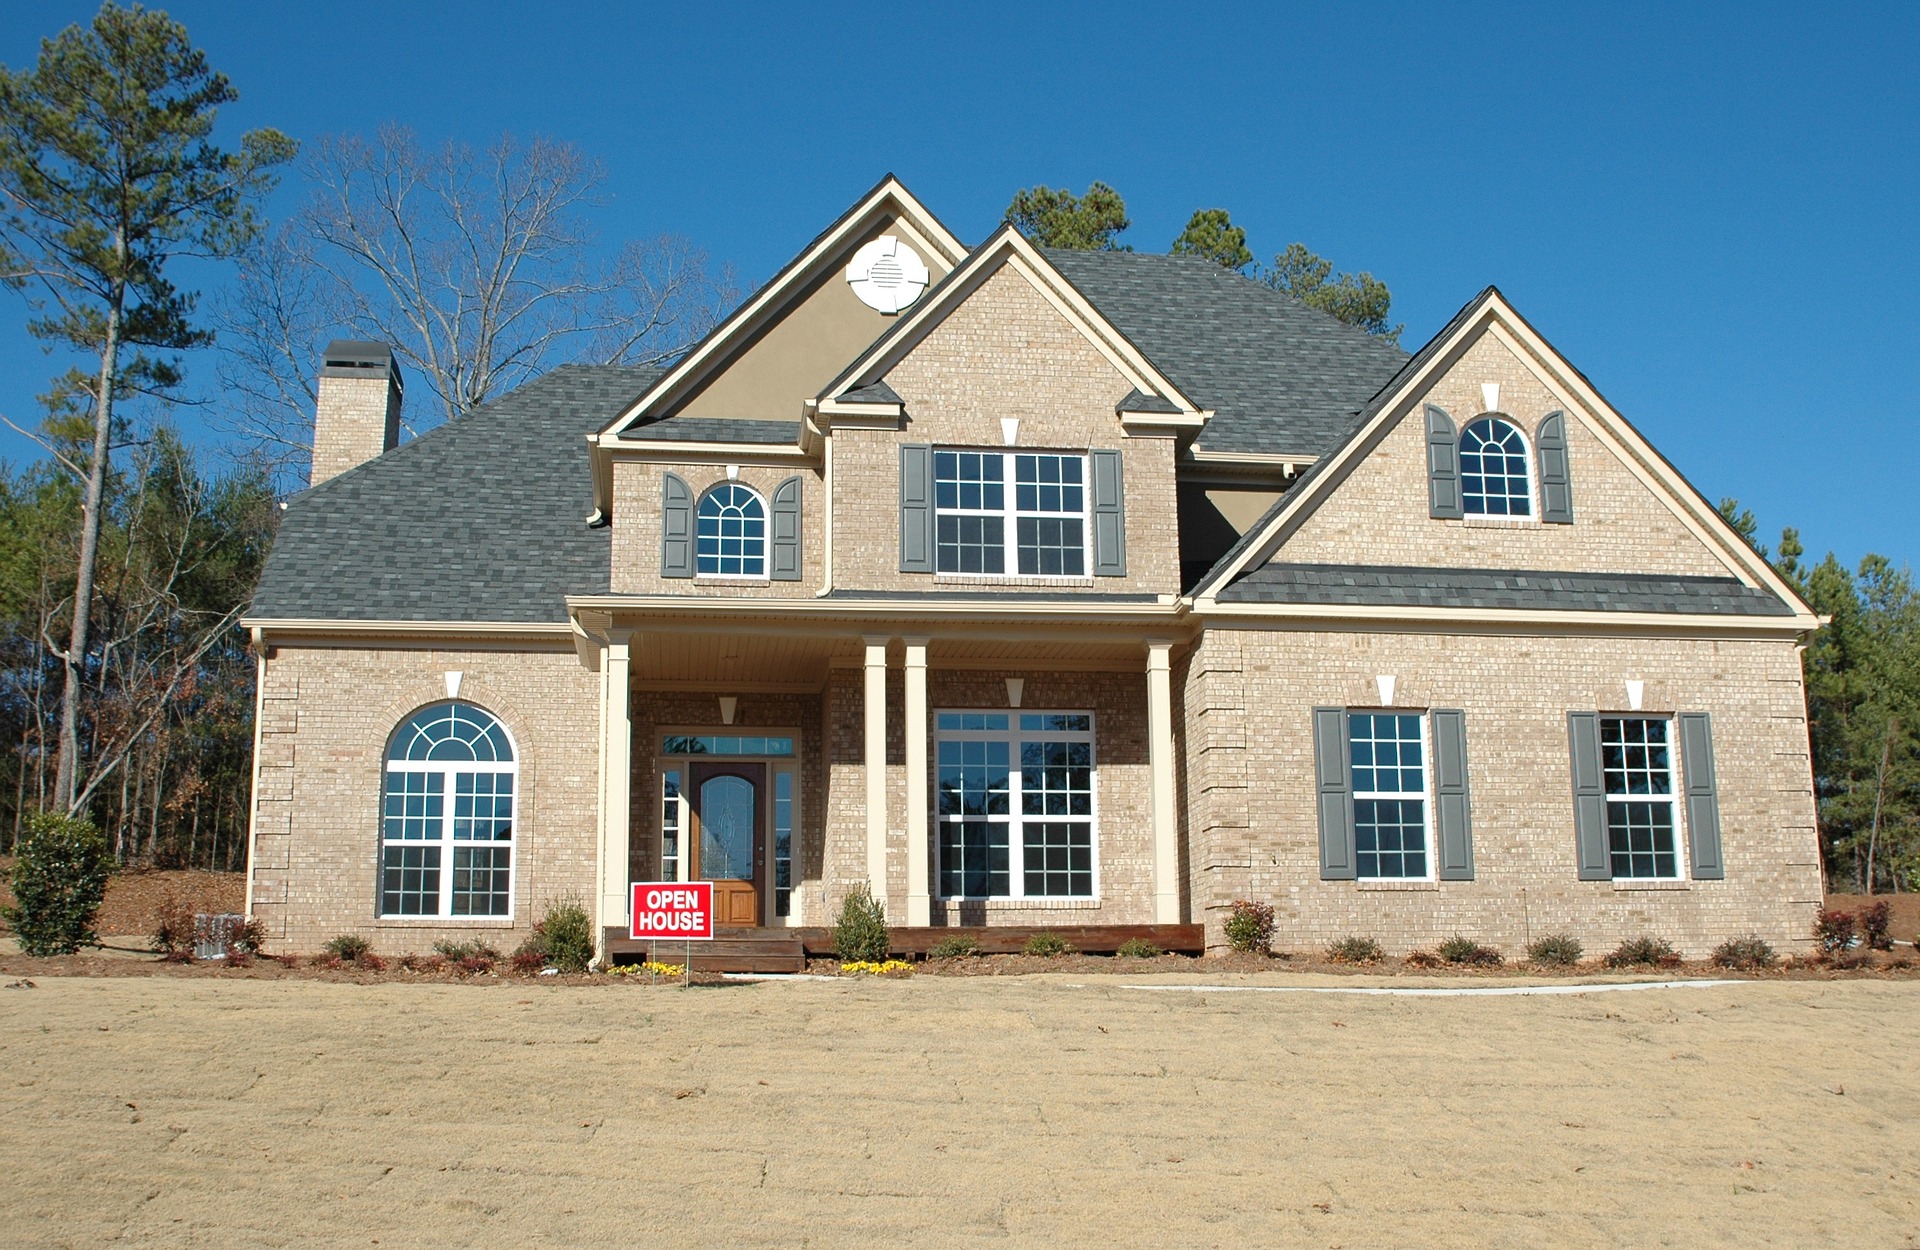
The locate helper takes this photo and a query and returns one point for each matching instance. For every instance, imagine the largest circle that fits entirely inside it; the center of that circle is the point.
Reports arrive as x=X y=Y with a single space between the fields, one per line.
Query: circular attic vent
x=887 y=274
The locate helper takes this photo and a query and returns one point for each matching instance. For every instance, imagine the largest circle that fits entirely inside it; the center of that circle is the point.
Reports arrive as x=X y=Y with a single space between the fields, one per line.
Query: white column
x=876 y=763
x=616 y=783
x=919 y=906
x=1166 y=827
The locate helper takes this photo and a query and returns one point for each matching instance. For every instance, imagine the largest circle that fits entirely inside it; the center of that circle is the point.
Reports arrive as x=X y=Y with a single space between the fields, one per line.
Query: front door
x=727 y=842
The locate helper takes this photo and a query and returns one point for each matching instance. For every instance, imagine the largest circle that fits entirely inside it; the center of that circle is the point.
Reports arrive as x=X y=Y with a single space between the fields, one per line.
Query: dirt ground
x=1903 y=911
x=1053 y=1110
x=135 y=899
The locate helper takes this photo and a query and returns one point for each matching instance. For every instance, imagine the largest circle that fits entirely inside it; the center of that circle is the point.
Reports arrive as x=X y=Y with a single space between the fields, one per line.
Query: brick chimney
x=357 y=414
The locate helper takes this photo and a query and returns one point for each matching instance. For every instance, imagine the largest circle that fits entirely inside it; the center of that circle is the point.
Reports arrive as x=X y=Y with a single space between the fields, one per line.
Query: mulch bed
x=1903 y=911
x=136 y=898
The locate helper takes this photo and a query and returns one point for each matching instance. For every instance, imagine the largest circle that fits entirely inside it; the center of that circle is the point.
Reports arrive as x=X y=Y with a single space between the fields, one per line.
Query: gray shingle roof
x=1341 y=585
x=872 y=393
x=482 y=519
x=1281 y=377
x=718 y=430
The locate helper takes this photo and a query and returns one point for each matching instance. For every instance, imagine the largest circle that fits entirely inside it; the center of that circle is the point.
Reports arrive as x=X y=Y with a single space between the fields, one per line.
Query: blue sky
x=1709 y=209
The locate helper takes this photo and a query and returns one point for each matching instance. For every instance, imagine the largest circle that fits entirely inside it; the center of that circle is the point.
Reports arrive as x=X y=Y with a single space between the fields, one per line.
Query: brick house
x=1079 y=590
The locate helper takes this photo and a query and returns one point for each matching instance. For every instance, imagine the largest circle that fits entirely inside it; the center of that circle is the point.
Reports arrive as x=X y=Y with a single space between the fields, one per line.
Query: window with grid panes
x=1494 y=469
x=446 y=839
x=1387 y=753
x=1636 y=766
x=1014 y=812
x=1038 y=528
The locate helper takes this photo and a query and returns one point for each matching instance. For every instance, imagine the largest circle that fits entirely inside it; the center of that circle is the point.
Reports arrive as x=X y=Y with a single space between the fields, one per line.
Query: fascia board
x=766 y=302
x=268 y=628
x=665 y=451
x=867 y=610
x=1785 y=627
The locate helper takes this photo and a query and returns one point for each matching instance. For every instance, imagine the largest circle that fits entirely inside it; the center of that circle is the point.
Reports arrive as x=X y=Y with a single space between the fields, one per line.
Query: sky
x=1709 y=209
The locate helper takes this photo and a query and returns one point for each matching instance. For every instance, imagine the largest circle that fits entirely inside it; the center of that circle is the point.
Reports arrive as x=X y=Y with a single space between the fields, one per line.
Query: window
x=439 y=858
x=731 y=540
x=1387 y=753
x=671 y=824
x=1493 y=470
x=1636 y=764
x=783 y=843
x=1038 y=529
x=1008 y=831
x=724 y=744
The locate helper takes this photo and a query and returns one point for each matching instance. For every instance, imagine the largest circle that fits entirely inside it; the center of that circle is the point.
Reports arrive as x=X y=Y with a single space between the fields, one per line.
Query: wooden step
x=735 y=950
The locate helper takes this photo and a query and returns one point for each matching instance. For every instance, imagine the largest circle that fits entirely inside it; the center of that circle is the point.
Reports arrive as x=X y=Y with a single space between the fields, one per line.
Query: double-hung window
x=1015 y=809
x=1010 y=512
x=1636 y=765
x=446 y=840
x=1387 y=753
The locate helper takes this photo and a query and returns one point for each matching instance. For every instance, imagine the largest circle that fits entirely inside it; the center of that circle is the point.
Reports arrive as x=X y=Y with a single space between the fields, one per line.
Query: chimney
x=357 y=413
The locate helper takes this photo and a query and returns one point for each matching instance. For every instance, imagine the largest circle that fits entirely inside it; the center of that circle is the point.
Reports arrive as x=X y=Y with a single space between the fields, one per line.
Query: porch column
x=616 y=783
x=919 y=907
x=876 y=764
x=1166 y=841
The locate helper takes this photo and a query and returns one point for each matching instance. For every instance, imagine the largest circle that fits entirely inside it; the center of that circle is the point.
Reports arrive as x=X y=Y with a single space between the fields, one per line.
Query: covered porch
x=1002 y=765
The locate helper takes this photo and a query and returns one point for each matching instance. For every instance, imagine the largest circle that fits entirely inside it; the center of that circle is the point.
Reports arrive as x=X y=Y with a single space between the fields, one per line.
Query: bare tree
x=477 y=267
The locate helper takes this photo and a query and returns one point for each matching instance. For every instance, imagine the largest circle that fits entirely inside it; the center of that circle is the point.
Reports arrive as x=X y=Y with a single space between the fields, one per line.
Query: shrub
x=349 y=948
x=1250 y=926
x=1424 y=959
x=1355 y=950
x=246 y=938
x=1138 y=948
x=473 y=948
x=563 y=937
x=959 y=946
x=1463 y=950
x=1874 y=921
x=1834 y=929
x=1048 y=946
x=1644 y=952
x=59 y=878
x=371 y=962
x=1744 y=953
x=860 y=934
x=527 y=962
x=175 y=933
x=1559 y=950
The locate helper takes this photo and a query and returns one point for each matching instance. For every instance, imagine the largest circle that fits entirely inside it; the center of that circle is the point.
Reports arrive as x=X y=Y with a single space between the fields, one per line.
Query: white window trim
x=1010 y=517
x=446 y=841
x=766 y=536
x=1676 y=790
x=1426 y=790
x=1533 y=474
x=1016 y=820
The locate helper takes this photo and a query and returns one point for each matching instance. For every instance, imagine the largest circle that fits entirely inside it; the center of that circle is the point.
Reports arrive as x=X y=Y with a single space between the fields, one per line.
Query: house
x=1032 y=588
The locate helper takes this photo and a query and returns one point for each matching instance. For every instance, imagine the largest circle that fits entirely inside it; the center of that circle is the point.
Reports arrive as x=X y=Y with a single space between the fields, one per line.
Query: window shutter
x=676 y=527
x=783 y=564
x=1336 y=793
x=916 y=508
x=1452 y=819
x=1703 y=796
x=1556 y=484
x=1443 y=467
x=1109 y=517
x=1589 y=797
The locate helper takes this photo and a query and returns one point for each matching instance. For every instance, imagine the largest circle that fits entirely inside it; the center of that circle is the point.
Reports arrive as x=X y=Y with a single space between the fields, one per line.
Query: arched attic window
x=731 y=533
x=1494 y=469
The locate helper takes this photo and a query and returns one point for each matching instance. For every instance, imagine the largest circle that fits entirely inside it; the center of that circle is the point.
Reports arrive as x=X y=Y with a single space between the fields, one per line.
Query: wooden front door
x=728 y=840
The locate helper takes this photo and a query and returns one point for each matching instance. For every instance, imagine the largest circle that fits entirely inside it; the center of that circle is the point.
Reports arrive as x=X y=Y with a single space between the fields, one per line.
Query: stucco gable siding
x=1378 y=514
x=1006 y=351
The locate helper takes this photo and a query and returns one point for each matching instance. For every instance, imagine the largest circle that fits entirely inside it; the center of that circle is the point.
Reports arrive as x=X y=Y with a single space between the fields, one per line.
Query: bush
x=1874 y=921
x=1423 y=959
x=59 y=878
x=1138 y=948
x=959 y=946
x=1644 y=952
x=1355 y=950
x=1250 y=926
x=1834 y=929
x=563 y=937
x=860 y=935
x=1464 y=950
x=348 y=948
x=1048 y=946
x=1743 y=953
x=1558 y=950
x=527 y=962
x=175 y=934
x=457 y=952
x=246 y=938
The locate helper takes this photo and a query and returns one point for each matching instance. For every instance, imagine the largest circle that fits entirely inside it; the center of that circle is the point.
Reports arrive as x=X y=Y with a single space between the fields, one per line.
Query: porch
x=788 y=949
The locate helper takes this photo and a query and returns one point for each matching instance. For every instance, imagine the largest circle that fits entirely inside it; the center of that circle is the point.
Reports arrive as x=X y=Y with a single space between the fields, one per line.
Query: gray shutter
x=916 y=508
x=676 y=527
x=784 y=562
x=1589 y=797
x=1556 y=483
x=1109 y=517
x=1335 y=792
x=1443 y=467
x=1452 y=819
x=1703 y=796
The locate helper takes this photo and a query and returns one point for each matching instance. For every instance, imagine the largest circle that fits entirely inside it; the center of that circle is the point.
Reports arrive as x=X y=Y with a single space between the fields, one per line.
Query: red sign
x=673 y=911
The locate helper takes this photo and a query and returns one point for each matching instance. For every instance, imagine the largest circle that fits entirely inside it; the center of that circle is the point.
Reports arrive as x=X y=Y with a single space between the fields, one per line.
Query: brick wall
x=326 y=715
x=1254 y=830
x=352 y=424
x=1378 y=515
x=637 y=497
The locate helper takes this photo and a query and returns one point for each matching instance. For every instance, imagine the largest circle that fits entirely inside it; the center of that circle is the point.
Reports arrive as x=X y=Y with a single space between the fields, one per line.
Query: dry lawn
x=159 y=1111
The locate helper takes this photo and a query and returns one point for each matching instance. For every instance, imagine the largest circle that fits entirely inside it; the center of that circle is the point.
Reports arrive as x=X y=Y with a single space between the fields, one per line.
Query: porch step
x=1089 y=939
x=734 y=950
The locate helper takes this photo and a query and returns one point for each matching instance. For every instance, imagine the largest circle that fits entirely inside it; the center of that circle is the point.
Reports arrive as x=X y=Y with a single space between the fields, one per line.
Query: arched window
x=440 y=858
x=1493 y=470
x=732 y=532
